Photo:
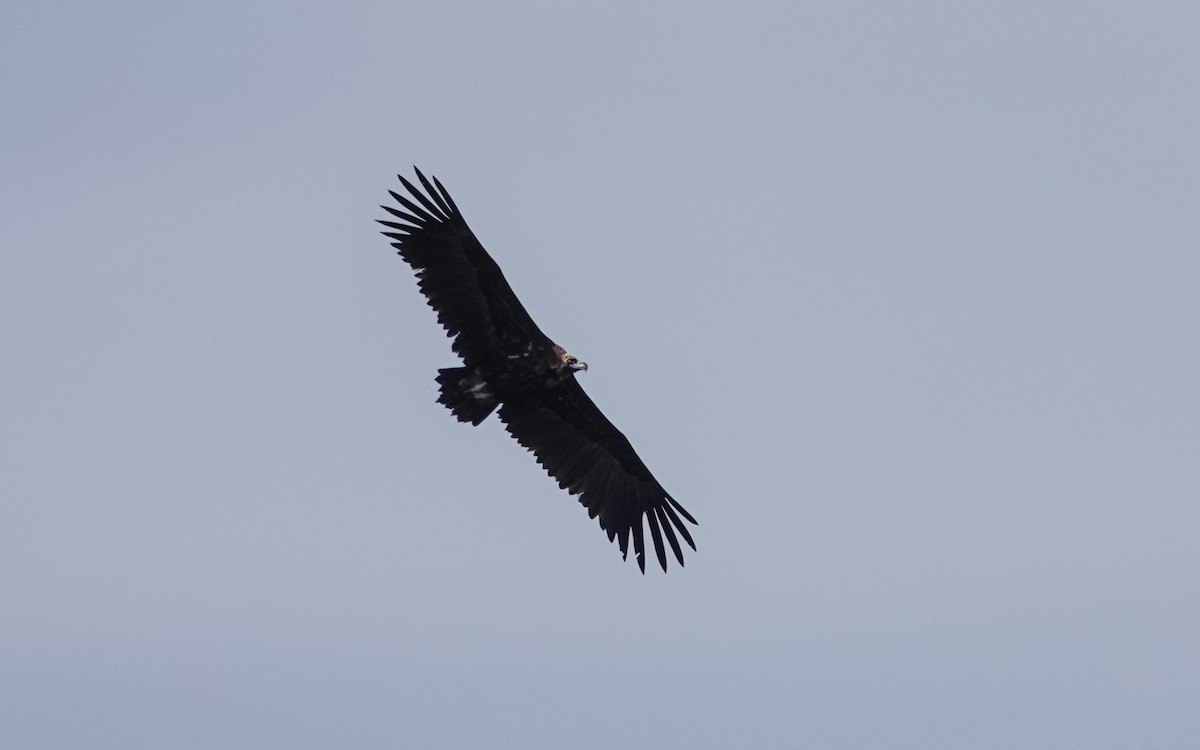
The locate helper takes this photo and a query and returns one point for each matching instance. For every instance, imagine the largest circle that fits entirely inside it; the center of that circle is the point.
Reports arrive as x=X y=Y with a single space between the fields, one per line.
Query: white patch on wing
x=479 y=391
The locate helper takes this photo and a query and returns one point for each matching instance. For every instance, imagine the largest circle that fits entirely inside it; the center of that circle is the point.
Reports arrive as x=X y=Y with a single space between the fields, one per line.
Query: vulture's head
x=569 y=361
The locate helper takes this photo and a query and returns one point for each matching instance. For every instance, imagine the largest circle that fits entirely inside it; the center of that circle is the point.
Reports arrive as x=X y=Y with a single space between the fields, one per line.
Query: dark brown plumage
x=509 y=364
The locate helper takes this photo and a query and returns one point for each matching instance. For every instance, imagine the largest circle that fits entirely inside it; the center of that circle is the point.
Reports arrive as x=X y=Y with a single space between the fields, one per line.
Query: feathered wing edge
x=463 y=284
x=602 y=469
x=432 y=237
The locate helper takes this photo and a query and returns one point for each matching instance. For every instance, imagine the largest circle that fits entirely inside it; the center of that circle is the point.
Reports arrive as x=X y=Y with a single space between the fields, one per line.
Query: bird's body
x=511 y=373
x=509 y=365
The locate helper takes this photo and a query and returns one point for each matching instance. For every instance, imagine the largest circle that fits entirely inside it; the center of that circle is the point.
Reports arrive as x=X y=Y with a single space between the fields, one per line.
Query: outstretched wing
x=474 y=302
x=590 y=457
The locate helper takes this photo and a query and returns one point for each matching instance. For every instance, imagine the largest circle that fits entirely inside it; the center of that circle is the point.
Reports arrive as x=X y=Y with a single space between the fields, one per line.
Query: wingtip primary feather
x=435 y=195
x=639 y=546
x=680 y=508
x=665 y=522
x=430 y=206
x=446 y=194
x=656 y=538
x=678 y=524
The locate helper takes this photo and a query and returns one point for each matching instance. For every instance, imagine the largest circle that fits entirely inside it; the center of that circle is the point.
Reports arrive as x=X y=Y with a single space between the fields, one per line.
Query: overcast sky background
x=899 y=299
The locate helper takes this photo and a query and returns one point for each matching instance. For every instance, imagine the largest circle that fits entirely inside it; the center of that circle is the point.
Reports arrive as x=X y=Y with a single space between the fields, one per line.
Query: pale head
x=568 y=360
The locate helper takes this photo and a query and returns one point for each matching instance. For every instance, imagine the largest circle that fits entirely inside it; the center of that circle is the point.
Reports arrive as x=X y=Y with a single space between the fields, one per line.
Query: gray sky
x=900 y=300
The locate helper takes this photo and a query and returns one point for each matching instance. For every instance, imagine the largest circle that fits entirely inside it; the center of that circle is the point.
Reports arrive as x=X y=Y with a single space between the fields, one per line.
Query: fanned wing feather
x=473 y=300
x=589 y=457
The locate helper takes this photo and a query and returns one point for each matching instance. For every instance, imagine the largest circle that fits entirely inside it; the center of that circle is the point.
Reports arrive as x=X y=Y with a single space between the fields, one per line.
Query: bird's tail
x=466 y=394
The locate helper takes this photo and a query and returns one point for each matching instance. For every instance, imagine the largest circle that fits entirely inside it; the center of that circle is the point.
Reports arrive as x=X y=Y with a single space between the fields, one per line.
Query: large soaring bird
x=509 y=363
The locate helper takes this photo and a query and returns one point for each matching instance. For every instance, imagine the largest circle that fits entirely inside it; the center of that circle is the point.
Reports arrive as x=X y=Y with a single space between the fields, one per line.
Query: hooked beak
x=579 y=366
